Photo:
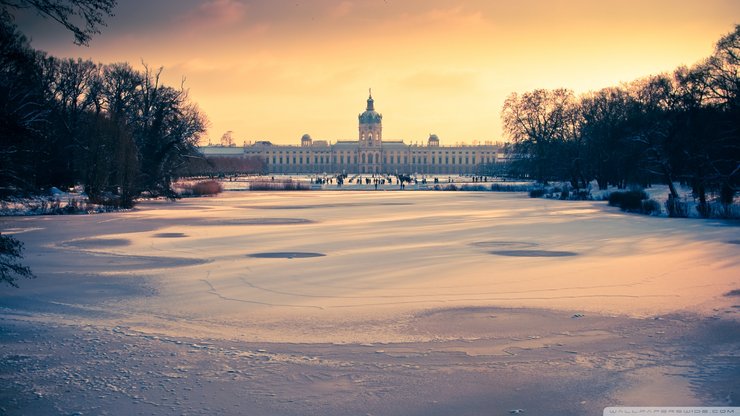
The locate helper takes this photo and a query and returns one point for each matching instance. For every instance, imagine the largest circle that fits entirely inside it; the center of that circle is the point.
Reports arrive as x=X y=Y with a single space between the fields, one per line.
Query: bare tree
x=724 y=86
x=81 y=17
x=652 y=100
x=537 y=121
x=23 y=110
x=612 y=159
x=168 y=127
x=227 y=139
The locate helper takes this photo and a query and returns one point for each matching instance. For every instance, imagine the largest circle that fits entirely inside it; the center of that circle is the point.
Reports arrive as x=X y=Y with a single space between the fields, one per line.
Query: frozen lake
x=480 y=274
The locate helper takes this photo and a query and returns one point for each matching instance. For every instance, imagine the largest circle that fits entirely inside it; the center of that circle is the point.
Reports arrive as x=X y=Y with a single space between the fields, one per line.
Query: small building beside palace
x=366 y=155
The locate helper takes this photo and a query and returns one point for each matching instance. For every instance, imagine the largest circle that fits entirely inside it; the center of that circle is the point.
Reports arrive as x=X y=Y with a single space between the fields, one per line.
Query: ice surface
x=336 y=303
x=385 y=254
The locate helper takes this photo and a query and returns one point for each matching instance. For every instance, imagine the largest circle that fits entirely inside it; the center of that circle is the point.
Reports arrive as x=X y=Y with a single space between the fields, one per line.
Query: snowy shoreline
x=75 y=202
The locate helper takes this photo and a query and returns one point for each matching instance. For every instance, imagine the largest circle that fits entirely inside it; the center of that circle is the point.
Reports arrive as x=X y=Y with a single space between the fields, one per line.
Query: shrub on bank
x=650 y=207
x=279 y=185
x=505 y=187
x=677 y=208
x=207 y=188
x=634 y=201
x=50 y=206
x=630 y=201
x=201 y=188
x=537 y=193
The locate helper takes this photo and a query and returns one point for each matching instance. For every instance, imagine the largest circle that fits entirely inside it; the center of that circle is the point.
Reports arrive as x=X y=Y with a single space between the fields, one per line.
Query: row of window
x=389 y=152
x=389 y=160
x=393 y=158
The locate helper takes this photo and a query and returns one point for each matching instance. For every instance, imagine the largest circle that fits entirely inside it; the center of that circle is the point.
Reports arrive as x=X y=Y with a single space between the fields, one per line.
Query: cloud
x=440 y=80
x=215 y=13
x=341 y=10
x=197 y=65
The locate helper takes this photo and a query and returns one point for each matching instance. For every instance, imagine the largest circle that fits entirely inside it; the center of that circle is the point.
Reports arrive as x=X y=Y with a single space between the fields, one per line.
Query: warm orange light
x=275 y=71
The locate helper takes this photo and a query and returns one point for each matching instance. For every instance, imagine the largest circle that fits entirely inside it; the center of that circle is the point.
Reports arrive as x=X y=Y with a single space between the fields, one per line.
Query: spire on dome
x=370 y=116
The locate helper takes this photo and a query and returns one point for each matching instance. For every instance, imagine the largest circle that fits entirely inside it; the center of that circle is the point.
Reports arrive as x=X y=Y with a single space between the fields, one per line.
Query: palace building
x=368 y=154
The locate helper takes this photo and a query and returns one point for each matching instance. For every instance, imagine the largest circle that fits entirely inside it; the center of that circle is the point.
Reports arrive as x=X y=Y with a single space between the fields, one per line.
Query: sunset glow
x=271 y=70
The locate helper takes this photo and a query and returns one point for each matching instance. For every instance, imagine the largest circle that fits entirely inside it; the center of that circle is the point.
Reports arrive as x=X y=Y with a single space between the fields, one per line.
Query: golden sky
x=274 y=70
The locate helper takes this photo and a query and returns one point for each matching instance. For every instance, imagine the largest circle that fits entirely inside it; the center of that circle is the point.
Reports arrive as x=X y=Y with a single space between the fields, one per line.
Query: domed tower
x=371 y=126
x=433 y=141
x=306 y=141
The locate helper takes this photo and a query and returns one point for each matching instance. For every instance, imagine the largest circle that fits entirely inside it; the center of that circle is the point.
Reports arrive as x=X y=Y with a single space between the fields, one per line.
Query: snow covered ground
x=371 y=302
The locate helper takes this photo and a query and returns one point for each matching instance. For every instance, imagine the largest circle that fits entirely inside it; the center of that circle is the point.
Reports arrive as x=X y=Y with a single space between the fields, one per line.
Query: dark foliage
x=81 y=17
x=504 y=187
x=119 y=132
x=537 y=193
x=634 y=201
x=628 y=200
x=650 y=207
x=676 y=208
x=222 y=166
x=11 y=251
x=678 y=127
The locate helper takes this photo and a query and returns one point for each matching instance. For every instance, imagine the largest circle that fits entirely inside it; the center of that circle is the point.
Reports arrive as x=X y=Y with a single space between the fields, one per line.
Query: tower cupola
x=371 y=127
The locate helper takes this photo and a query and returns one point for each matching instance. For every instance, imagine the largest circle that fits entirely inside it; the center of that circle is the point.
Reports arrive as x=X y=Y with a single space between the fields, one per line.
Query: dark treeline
x=116 y=130
x=678 y=127
x=222 y=166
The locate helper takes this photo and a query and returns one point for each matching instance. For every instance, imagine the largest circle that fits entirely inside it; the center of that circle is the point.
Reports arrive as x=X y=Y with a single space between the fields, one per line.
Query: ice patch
x=510 y=244
x=170 y=235
x=533 y=253
x=286 y=255
x=262 y=221
x=97 y=243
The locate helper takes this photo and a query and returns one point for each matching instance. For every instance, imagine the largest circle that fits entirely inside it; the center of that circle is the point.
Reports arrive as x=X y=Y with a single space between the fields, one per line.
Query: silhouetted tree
x=23 y=110
x=651 y=126
x=11 y=251
x=683 y=126
x=38 y=111
x=81 y=17
x=223 y=165
x=166 y=128
x=612 y=159
x=537 y=122
x=723 y=80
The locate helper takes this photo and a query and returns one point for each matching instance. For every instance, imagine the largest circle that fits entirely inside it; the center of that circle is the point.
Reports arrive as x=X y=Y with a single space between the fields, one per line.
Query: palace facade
x=369 y=154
